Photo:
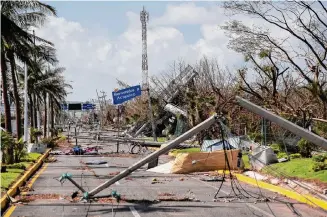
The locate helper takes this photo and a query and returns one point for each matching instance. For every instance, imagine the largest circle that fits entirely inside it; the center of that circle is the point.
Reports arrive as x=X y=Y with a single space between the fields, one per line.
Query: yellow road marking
x=10 y=211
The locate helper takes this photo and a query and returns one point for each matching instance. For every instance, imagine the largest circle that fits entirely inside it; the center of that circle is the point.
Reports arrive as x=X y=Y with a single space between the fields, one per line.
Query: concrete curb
x=304 y=198
x=15 y=187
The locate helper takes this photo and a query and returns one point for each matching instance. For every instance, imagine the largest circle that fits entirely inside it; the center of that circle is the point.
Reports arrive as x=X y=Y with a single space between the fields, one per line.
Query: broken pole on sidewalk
x=202 y=126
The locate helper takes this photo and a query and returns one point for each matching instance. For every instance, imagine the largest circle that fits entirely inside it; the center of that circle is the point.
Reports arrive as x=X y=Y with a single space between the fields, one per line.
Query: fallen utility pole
x=202 y=126
x=124 y=139
x=283 y=123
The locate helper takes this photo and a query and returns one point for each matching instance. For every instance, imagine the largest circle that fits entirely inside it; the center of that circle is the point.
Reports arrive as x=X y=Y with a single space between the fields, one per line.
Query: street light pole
x=25 y=106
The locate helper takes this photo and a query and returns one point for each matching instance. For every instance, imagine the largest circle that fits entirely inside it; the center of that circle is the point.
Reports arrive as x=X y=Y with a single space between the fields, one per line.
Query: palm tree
x=55 y=88
x=16 y=43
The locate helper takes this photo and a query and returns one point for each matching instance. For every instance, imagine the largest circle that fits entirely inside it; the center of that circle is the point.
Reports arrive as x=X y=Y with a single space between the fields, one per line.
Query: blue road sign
x=88 y=106
x=126 y=94
x=64 y=107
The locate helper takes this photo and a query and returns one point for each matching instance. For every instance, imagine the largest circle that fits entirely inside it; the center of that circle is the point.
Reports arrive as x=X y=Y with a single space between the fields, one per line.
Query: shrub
x=306 y=147
x=50 y=142
x=317 y=166
x=34 y=134
x=282 y=155
x=257 y=137
x=275 y=147
x=7 y=142
x=319 y=158
x=296 y=155
x=62 y=138
x=16 y=166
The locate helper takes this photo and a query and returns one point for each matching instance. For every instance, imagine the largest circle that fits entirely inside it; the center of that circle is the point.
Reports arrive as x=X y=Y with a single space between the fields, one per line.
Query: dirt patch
x=25 y=189
x=29 y=198
x=107 y=200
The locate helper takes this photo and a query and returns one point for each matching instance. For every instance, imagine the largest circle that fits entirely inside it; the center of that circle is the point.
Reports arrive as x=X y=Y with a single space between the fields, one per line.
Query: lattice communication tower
x=144 y=16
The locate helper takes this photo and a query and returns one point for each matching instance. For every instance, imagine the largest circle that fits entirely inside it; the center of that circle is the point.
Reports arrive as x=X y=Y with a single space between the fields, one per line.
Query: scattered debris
x=107 y=200
x=166 y=194
x=128 y=178
x=25 y=189
x=114 y=173
x=213 y=179
x=274 y=181
x=263 y=199
x=181 y=179
x=163 y=168
x=74 y=194
x=173 y=198
x=155 y=181
x=50 y=160
x=283 y=160
x=96 y=162
x=56 y=152
x=118 y=155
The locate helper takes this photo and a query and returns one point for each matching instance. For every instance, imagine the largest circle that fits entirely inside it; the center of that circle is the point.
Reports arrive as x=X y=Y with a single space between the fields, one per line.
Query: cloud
x=189 y=13
x=93 y=60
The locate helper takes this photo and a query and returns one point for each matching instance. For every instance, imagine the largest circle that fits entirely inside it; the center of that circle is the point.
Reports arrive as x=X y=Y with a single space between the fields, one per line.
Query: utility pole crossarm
x=283 y=123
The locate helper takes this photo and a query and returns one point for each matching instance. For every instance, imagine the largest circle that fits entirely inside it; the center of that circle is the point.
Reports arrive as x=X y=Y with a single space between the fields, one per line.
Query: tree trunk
x=34 y=111
x=51 y=115
x=31 y=105
x=6 y=105
x=45 y=116
x=16 y=98
x=31 y=114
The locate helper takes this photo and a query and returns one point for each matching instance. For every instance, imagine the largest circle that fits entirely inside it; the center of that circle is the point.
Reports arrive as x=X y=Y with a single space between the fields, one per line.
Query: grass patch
x=9 y=177
x=159 y=139
x=296 y=168
x=246 y=161
x=31 y=157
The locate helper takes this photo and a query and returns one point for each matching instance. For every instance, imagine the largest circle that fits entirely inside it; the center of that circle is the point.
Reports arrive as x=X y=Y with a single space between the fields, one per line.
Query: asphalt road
x=143 y=195
x=138 y=187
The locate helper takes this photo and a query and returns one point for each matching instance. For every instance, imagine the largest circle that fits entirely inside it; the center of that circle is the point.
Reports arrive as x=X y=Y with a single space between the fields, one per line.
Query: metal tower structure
x=144 y=17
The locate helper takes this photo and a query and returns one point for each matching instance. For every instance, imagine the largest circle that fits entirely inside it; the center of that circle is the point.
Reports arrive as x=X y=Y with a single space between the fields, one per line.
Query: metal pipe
x=122 y=139
x=77 y=185
x=202 y=126
x=283 y=123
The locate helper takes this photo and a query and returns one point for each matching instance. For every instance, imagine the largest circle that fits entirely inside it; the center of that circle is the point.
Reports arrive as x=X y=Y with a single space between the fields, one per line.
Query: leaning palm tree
x=17 y=43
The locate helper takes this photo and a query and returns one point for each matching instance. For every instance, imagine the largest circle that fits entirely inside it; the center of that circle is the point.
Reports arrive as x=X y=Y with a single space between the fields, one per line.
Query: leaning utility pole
x=144 y=17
